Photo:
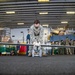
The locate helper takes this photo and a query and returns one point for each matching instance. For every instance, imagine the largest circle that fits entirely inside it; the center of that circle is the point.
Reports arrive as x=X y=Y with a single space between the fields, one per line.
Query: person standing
x=28 y=41
x=36 y=35
x=72 y=44
x=28 y=37
x=68 y=50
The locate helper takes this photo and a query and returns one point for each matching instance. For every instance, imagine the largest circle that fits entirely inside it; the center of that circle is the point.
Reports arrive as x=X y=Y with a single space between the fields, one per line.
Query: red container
x=22 y=50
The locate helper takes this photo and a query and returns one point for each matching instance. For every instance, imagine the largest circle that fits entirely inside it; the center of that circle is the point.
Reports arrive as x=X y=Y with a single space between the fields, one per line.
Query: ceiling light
x=45 y=25
x=70 y=12
x=41 y=13
x=60 y=28
x=64 y=22
x=43 y=0
x=10 y=12
x=20 y=23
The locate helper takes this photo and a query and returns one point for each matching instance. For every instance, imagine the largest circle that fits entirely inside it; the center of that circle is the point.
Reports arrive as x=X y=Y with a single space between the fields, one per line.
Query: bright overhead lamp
x=43 y=13
x=60 y=28
x=64 y=22
x=10 y=12
x=20 y=23
x=70 y=12
x=43 y=0
x=45 y=25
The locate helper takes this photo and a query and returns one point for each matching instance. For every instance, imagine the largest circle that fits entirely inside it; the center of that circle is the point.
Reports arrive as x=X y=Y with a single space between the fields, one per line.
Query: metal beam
x=43 y=45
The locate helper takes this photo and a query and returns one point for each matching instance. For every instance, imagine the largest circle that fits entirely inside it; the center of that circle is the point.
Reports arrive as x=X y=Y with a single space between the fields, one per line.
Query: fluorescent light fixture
x=43 y=0
x=45 y=25
x=10 y=12
x=64 y=22
x=42 y=13
x=20 y=23
x=60 y=28
x=70 y=12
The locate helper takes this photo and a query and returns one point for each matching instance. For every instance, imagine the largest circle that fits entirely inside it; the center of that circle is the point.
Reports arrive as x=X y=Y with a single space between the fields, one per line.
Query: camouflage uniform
x=68 y=50
x=36 y=34
x=72 y=44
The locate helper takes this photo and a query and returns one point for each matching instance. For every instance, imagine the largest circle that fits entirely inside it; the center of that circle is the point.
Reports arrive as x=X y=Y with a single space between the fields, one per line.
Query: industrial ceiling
x=26 y=11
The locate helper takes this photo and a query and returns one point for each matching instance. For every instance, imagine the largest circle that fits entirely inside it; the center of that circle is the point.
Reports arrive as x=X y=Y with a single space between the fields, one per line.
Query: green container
x=7 y=49
x=13 y=48
x=56 y=51
x=2 y=49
